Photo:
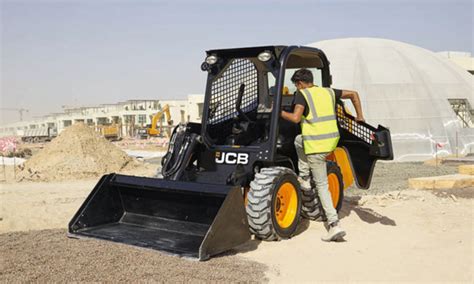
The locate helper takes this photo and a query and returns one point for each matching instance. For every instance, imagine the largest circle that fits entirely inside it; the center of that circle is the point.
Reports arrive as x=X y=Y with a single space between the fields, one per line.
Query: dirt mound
x=78 y=152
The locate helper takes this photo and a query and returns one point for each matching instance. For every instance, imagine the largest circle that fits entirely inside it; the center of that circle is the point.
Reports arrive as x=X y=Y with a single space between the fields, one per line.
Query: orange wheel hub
x=286 y=205
x=246 y=193
x=334 y=188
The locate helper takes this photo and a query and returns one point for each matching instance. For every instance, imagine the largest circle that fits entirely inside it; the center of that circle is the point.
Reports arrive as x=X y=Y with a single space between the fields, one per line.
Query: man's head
x=302 y=78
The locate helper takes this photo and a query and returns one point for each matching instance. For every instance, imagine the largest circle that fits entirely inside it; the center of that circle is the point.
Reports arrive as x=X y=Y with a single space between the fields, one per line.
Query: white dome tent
x=405 y=88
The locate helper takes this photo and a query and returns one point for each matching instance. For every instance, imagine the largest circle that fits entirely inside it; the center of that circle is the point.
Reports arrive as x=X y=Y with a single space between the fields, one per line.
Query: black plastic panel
x=364 y=144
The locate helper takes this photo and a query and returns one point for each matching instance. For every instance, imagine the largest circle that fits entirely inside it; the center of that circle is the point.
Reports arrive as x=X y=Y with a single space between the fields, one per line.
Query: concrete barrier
x=442 y=182
x=466 y=169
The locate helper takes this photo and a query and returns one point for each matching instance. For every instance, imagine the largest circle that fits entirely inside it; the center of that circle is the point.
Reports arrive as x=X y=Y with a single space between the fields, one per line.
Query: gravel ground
x=394 y=176
x=49 y=256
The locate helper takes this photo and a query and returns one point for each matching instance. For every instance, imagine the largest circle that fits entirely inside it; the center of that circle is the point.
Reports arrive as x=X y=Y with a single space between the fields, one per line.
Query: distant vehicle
x=110 y=131
x=37 y=135
x=143 y=132
x=152 y=129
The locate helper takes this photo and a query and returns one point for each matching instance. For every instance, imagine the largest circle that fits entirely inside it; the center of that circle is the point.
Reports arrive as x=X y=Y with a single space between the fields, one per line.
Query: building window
x=141 y=118
x=102 y=120
x=115 y=119
x=67 y=123
x=130 y=119
x=200 y=107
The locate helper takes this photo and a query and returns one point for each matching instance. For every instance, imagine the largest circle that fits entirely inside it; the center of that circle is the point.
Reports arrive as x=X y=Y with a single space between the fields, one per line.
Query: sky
x=80 y=53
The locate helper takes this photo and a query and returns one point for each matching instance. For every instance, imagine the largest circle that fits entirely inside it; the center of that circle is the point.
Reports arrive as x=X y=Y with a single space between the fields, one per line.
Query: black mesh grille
x=224 y=91
x=347 y=122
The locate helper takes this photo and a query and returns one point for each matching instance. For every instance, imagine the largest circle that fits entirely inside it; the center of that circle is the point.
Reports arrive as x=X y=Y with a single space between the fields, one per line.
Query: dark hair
x=303 y=75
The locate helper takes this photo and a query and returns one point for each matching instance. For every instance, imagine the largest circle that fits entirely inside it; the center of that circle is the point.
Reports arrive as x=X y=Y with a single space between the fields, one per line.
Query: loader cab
x=246 y=90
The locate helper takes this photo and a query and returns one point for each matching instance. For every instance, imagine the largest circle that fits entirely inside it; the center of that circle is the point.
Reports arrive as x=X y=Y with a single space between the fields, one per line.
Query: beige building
x=131 y=114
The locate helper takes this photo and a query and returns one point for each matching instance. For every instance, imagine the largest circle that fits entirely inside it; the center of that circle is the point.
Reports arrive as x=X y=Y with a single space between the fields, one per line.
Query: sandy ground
x=37 y=206
x=394 y=234
x=411 y=236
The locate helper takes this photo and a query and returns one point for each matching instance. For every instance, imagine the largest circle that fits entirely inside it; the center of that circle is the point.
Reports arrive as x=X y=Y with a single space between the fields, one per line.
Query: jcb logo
x=232 y=158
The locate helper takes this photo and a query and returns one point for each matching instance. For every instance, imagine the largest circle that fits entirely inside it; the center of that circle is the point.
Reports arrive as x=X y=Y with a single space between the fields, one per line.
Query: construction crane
x=19 y=110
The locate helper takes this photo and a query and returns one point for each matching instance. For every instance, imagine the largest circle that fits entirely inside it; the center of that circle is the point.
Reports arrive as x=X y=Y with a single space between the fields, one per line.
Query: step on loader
x=234 y=174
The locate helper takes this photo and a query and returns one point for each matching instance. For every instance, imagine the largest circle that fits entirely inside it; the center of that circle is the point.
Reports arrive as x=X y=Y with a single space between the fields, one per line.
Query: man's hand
x=354 y=97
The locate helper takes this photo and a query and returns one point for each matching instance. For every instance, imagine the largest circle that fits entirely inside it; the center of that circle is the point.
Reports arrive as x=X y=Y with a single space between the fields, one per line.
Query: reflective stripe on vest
x=319 y=127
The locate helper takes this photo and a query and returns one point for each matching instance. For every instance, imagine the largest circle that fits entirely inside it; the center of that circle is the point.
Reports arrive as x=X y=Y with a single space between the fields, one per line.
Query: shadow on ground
x=350 y=204
x=253 y=244
x=365 y=214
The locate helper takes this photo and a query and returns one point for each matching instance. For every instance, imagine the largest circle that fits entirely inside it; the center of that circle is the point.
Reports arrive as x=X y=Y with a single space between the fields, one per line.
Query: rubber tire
x=311 y=207
x=260 y=200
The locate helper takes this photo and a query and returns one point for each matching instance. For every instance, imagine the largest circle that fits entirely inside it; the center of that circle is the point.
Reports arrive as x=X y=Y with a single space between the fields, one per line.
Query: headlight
x=264 y=56
x=211 y=59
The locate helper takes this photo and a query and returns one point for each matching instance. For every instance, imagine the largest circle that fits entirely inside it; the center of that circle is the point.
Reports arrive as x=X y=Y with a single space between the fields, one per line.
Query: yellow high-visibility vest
x=319 y=127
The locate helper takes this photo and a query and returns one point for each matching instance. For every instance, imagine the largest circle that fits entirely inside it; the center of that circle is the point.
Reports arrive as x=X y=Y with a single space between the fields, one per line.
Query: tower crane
x=19 y=110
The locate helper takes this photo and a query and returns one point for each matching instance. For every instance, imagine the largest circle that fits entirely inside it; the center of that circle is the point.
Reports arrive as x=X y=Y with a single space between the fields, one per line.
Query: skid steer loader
x=234 y=174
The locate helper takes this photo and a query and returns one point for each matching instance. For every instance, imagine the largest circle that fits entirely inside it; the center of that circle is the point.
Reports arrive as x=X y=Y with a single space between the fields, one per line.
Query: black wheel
x=274 y=204
x=311 y=207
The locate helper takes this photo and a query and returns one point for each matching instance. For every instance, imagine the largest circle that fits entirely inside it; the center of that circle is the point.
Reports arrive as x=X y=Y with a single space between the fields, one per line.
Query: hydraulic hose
x=179 y=154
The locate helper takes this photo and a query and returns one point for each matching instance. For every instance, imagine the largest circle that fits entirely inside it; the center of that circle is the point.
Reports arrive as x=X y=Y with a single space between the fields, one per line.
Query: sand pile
x=78 y=152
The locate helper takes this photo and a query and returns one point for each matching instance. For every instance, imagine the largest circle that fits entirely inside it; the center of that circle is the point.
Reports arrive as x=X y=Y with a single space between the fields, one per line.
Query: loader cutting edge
x=186 y=219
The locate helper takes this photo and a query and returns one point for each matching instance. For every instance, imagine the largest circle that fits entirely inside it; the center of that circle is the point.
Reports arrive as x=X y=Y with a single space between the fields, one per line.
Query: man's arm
x=294 y=116
x=355 y=99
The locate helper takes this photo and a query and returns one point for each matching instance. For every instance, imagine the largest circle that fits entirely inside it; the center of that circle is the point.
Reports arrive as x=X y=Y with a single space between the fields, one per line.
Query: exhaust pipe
x=182 y=218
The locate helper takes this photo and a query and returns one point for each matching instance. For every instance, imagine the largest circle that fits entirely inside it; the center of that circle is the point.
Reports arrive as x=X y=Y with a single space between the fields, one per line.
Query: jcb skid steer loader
x=234 y=174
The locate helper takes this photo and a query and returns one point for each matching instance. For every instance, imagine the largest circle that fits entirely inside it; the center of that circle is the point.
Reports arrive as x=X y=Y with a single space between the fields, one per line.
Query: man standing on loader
x=316 y=112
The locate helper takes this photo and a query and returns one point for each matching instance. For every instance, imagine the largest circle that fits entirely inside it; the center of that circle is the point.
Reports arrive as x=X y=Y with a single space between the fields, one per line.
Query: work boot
x=335 y=233
x=304 y=183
